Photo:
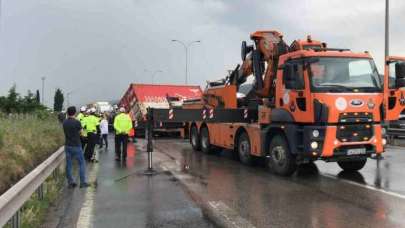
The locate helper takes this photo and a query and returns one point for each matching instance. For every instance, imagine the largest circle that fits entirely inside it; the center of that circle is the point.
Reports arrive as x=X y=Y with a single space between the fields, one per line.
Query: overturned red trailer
x=139 y=97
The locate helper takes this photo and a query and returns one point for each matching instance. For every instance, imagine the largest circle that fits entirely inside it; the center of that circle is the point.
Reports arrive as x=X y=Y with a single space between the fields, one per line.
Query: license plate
x=356 y=151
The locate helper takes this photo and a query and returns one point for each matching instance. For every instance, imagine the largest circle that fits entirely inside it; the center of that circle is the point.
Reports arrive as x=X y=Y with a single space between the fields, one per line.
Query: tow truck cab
x=331 y=103
x=394 y=97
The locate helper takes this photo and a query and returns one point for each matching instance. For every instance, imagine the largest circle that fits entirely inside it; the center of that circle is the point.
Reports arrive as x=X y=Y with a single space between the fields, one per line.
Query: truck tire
x=280 y=160
x=206 y=146
x=244 y=149
x=195 y=139
x=352 y=166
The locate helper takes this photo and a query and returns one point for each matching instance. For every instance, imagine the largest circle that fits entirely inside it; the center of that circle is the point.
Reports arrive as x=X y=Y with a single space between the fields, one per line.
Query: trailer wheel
x=206 y=146
x=351 y=166
x=195 y=139
x=280 y=160
x=244 y=149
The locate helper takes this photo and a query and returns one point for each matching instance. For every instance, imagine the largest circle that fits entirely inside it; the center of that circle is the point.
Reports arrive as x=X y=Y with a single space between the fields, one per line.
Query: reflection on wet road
x=127 y=198
x=121 y=196
x=318 y=195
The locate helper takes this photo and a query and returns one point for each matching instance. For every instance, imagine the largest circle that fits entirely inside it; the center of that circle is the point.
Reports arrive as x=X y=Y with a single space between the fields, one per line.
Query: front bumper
x=334 y=147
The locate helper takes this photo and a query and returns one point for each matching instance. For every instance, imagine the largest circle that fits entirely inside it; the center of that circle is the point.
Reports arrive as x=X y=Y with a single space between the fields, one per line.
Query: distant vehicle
x=103 y=107
x=139 y=97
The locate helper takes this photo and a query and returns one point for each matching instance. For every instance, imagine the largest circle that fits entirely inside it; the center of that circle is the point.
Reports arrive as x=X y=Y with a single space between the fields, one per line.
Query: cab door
x=295 y=96
x=394 y=87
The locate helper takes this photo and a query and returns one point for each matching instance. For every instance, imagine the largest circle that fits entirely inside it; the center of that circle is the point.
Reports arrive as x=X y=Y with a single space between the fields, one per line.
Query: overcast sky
x=95 y=48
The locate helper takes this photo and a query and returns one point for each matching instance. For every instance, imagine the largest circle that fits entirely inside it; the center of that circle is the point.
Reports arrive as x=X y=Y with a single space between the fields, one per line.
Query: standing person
x=104 y=131
x=81 y=117
x=122 y=126
x=73 y=148
x=91 y=125
x=62 y=116
x=99 y=139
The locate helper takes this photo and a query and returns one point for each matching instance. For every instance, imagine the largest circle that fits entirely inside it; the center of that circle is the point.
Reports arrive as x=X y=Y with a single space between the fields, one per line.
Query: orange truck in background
x=396 y=126
x=307 y=102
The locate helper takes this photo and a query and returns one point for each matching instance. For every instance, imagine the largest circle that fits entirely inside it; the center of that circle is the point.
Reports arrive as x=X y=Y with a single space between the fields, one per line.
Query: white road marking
x=232 y=218
x=85 y=219
x=394 y=194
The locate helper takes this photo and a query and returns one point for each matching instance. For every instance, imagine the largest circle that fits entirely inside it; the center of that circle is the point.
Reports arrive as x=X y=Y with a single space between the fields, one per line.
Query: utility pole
x=387 y=29
x=186 y=46
x=43 y=90
x=68 y=99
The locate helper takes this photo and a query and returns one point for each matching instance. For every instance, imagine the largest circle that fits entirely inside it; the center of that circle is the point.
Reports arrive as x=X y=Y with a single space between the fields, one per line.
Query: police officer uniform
x=122 y=126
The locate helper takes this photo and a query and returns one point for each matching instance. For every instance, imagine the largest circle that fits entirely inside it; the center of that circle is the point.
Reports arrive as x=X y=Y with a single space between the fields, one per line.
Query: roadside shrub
x=25 y=141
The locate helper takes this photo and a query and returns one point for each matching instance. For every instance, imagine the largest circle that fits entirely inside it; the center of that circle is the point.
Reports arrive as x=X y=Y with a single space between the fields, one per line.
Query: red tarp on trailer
x=141 y=96
x=157 y=93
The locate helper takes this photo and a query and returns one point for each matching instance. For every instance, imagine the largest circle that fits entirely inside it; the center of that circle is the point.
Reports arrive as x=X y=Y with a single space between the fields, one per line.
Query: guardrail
x=14 y=198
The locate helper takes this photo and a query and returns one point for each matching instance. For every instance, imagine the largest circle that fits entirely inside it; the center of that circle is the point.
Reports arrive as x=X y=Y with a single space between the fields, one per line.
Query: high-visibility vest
x=80 y=117
x=122 y=124
x=91 y=123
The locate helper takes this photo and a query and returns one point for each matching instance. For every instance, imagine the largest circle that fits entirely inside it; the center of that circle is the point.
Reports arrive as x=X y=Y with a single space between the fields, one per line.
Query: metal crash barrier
x=15 y=197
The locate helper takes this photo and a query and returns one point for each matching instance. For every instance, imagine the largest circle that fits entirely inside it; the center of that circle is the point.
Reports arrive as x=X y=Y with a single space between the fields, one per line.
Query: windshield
x=344 y=75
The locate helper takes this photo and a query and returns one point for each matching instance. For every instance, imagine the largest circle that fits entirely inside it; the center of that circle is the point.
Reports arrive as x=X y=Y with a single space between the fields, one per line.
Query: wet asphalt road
x=319 y=195
x=121 y=196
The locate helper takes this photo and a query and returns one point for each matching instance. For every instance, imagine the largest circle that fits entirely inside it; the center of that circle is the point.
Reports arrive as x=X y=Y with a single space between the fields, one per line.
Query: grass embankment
x=26 y=141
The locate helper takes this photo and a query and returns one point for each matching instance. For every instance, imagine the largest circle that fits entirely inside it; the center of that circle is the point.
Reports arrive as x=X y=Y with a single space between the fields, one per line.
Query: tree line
x=14 y=102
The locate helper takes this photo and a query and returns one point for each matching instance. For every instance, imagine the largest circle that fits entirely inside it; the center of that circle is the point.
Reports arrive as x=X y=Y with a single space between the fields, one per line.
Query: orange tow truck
x=307 y=102
x=394 y=97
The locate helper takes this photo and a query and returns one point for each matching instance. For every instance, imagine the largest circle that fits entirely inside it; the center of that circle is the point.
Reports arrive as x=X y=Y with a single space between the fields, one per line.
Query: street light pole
x=43 y=90
x=387 y=28
x=68 y=99
x=186 y=46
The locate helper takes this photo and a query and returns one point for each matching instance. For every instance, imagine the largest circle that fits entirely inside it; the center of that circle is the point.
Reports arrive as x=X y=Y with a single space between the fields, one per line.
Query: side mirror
x=245 y=49
x=400 y=74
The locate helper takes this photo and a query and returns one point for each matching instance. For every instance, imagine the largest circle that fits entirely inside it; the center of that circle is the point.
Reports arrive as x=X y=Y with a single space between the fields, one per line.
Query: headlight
x=314 y=145
x=315 y=133
x=371 y=104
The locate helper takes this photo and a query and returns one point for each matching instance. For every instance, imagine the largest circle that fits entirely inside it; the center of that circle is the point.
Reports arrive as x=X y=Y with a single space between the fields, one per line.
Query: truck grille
x=354 y=132
x=355 y=117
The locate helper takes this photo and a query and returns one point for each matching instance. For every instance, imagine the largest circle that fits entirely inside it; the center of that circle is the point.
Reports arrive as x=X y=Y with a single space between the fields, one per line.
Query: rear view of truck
x=139 y=97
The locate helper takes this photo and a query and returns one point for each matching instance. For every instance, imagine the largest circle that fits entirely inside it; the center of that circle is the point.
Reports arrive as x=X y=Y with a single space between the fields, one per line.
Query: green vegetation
x=15 y=103
x=28 y=135
x=25 y=141
x=58 y=101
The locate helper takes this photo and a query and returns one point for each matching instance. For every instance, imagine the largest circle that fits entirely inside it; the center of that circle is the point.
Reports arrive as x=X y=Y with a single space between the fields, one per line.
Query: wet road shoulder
x=305 y=199
x=121 y=196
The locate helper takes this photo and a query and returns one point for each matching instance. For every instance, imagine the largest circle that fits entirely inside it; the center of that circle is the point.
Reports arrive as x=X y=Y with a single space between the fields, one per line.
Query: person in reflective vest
x=122 y=127
x=92 y=126
x=80 y=117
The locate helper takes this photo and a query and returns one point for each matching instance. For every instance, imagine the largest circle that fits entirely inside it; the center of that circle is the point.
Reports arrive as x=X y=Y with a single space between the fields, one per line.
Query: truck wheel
x=206 y=146
x=195 y=140
x=352 y=165
x=244 y=149
x=280 y=160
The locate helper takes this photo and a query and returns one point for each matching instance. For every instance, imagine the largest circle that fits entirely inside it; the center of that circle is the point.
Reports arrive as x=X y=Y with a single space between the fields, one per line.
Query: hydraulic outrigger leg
x=149 y=145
